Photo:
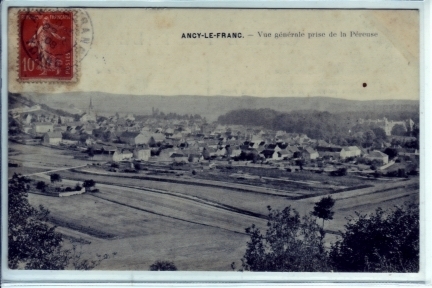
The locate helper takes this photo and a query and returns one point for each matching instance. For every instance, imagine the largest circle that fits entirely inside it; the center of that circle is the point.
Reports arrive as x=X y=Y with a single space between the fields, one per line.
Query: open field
x=43 y=157
x=141 y=237
x=190 y=246
x=251 y=201
x=199 y=227
x=25 y=170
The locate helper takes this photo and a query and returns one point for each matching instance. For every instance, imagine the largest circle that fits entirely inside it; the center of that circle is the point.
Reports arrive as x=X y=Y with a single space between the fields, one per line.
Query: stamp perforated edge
x=75 y=36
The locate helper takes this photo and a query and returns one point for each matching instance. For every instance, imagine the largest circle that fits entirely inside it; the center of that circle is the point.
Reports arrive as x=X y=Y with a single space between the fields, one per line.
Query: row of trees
x=174 y=116
x=384 y=241
x=55 y=177
x=341 y=129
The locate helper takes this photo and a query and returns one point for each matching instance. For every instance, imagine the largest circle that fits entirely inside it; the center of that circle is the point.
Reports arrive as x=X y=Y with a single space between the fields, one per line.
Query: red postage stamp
x=46 y=46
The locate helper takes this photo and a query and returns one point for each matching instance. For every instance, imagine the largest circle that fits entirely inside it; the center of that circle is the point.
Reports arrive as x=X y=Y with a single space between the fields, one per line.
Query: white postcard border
x=240 y=278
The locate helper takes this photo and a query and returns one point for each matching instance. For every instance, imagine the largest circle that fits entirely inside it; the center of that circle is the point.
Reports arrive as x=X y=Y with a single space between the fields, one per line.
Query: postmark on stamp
x=46 y=46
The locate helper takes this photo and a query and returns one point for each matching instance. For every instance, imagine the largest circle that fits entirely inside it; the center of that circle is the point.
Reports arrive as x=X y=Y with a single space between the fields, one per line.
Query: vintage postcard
x=229 y=140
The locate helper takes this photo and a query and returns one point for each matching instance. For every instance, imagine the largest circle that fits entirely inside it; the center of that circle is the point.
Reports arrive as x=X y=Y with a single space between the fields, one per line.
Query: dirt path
x=55 y=170
x=379 y=187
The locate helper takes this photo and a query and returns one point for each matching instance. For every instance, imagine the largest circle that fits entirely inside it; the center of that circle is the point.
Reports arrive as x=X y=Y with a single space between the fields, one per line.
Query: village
x=190 y=140
x=187 y=141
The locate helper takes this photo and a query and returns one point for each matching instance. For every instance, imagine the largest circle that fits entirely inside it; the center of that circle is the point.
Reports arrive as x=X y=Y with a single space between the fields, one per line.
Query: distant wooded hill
x=337 y=127
x=212 y=107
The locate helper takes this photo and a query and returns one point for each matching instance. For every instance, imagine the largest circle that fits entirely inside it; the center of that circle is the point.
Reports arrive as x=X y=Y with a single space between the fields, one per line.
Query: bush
x=41 y=185
x=392 y=173
x=349 y=159
x=401 y=172
x=339 y=172
x=137 y=166
x=89 y=184
x=68 y=189
x=55 y=178
x=377 y=174
x=115 y=165
x=163 y=266
x=391 y=152
x=384 y=241
x=413 y=172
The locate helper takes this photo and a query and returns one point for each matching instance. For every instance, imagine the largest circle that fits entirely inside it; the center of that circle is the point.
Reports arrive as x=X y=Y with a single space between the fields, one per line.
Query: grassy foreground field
x=141 y=238
x=199 y=240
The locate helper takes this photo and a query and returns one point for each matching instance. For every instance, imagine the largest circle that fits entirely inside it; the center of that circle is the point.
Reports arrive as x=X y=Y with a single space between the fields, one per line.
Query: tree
x=399 y=130
x=106 y=136
x=339 y=172
x=206 y=154
x=152 y=142
x=291 y=243
x=190 y=158
x=229 y=150
x=41 y=185
x=55 y=178
x=33 y=244
x=83 y=138
x=391 y=152
x=369 y=138
x=379 y=133
x=163 y=266
x=90 y=152
x=323 y=209
x=300 y=163
x=384 y=241
x=87 y=184
x=137 y=166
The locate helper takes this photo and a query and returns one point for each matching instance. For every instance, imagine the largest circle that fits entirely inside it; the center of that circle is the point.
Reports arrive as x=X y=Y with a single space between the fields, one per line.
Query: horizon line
x=228 y=96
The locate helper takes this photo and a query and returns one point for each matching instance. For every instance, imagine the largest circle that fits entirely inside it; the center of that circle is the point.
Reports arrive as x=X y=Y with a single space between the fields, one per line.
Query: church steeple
x=91 y=105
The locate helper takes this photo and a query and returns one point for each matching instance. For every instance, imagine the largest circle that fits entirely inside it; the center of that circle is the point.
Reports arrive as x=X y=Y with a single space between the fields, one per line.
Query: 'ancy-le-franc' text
x=211 y=35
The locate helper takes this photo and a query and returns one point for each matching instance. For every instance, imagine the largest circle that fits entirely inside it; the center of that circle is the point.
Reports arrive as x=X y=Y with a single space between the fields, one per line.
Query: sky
x=141 y=52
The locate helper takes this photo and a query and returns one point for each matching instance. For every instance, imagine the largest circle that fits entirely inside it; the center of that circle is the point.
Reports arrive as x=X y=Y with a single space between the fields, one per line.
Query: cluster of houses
x=180 y=144
x=126 y=138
